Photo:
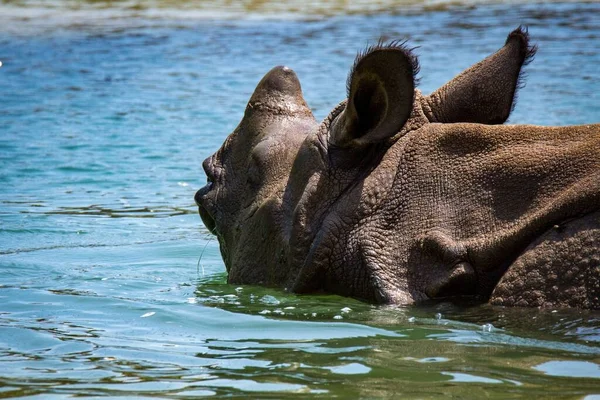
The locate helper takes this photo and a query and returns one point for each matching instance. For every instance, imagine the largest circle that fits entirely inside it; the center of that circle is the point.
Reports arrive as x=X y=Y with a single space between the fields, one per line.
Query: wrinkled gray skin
x=398 y=197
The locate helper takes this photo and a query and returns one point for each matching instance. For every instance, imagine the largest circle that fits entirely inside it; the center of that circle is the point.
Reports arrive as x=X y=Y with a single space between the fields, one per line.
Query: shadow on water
x=580 y=326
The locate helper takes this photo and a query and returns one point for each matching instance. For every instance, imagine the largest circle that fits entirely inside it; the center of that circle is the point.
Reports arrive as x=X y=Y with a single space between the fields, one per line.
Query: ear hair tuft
x=522 y=33
x=394 y=45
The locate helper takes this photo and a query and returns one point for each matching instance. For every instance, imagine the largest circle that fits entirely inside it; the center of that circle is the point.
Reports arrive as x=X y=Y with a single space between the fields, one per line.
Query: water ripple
x=124 y=212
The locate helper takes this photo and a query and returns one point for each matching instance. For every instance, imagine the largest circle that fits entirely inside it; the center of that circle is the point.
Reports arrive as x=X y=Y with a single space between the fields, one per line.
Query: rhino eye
x=255 y=169
x=253 y=177
x=258 y=163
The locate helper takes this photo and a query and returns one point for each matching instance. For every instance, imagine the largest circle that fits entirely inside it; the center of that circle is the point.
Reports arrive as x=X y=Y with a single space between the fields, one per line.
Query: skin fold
x=398 y=197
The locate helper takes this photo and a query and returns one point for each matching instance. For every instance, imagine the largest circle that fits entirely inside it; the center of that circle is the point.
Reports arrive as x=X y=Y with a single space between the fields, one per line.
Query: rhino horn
x=485 y=93
x=279 y=92
x=380 y=96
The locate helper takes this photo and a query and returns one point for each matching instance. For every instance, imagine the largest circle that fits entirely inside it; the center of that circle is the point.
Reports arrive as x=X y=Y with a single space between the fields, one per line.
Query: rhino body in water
x=397 y=197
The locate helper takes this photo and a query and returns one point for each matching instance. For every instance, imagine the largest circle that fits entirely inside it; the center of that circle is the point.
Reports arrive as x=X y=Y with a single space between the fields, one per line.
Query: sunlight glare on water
x=109 y=284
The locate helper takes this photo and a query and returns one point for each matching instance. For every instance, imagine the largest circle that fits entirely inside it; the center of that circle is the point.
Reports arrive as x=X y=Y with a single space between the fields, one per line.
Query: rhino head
x=397 y=197
x=241 y=204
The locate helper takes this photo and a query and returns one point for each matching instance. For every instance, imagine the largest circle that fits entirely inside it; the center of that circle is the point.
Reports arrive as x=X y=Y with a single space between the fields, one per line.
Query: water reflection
x=575 y=369
x=479 y=322
x=123 y=212
x=216 y=353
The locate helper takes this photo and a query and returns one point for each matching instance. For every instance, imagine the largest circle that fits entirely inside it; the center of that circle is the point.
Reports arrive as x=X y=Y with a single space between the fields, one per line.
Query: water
x=107 y=111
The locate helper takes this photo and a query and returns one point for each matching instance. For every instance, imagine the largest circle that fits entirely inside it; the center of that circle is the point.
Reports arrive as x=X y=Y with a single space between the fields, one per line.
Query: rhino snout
x=209 y=169
x=199 y=198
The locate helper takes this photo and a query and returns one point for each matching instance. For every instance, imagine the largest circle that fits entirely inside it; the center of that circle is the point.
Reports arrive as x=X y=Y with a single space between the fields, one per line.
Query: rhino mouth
x=205 y=215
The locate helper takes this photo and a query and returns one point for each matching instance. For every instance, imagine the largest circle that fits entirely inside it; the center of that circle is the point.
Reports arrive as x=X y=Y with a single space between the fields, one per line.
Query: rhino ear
x=485 y=93
x=380 y=96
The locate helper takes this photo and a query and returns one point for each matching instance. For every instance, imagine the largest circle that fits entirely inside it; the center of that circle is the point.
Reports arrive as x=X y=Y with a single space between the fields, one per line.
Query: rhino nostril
x=207 y=165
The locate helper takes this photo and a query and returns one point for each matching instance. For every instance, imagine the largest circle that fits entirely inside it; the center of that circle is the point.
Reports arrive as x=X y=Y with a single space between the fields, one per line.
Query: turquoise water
x=107 y=111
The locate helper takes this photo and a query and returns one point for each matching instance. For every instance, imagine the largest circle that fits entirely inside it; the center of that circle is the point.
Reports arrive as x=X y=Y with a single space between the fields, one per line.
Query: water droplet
x=270 y=300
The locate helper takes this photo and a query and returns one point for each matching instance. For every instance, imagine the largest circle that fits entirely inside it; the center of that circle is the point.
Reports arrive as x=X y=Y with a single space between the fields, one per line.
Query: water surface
x=107 y=111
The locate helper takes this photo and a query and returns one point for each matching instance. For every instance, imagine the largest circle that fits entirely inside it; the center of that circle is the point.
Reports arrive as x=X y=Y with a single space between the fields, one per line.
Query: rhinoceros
x=399 y=197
